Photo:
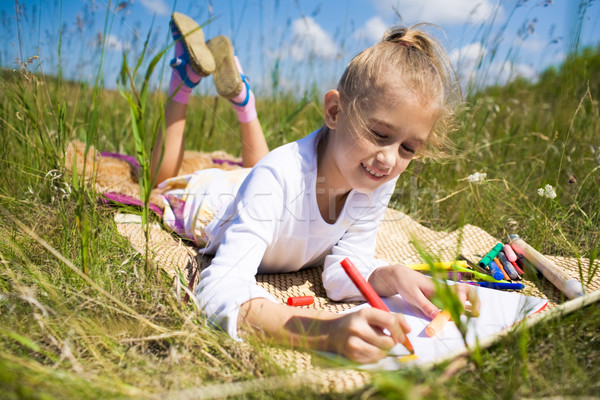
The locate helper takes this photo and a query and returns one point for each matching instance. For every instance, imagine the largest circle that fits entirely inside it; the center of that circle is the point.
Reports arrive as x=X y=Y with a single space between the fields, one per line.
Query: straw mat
x=178 y=258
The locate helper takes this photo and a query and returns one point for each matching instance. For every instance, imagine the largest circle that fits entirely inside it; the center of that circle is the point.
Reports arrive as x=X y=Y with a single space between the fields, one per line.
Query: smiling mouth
x=370 y=171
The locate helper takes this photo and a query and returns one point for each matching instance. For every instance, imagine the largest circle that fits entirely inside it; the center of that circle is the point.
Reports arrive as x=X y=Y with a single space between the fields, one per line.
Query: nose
x=386 y=156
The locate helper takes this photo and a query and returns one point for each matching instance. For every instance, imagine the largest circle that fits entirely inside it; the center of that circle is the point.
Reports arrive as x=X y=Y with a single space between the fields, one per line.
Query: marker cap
x=300 y=301
x=485 y=261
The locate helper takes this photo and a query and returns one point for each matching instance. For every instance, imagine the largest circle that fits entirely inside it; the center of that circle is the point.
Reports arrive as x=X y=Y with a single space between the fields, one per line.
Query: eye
x=408 y=149
x=378 y=135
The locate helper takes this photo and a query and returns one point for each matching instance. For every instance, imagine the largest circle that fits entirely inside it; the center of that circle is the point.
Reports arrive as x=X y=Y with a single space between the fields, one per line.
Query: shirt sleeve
x=358 y=244
x=251 y=222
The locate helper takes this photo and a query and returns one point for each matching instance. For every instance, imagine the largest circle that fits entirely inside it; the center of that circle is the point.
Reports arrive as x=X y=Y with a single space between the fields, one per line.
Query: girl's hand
x=467 y=292
x=417 y=288
x=359 y=335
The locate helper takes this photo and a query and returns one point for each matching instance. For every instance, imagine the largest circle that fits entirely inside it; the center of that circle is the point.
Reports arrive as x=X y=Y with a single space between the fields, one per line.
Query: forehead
x=399 y=110
x=395 y=85
x=397 y=99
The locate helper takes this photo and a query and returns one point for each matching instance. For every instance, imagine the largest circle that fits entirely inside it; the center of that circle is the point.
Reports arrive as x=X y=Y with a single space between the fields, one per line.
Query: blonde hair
x=425 y=70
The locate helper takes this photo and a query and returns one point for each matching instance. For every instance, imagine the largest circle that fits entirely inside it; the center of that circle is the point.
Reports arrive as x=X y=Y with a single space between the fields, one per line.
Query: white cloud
x=309 y=39
x=531 y=44
x=466 y=58
x=471 y=65
x=113 y=43
x=372 y=31
x=157 y=7
x=501 y=73
x=438 y=11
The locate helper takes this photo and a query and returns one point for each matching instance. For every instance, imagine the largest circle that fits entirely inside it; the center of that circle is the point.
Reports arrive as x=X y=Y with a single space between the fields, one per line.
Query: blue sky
x=302 y=42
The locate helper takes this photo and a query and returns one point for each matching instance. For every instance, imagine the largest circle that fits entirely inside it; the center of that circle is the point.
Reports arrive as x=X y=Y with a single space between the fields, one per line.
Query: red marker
x=519 y=270
x=369 y=293
x=300 y=301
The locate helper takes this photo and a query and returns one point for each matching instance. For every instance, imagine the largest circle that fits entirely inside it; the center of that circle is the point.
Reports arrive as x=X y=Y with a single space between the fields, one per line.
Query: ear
x=331 y=105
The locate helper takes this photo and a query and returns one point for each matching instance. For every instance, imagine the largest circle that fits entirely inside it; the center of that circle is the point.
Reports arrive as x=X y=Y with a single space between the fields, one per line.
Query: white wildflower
x=477 y=177
x=547 y=192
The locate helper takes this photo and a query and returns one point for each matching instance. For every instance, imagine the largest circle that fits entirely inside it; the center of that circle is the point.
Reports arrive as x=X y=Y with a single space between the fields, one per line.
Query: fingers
x=468 y=293
x=366 y=340
x=474 y=300
x=425 y=305
x=394 y=323
x=363 y=352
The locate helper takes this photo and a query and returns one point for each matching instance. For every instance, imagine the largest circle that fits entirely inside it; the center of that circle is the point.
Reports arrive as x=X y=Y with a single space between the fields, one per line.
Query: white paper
x=499 y=310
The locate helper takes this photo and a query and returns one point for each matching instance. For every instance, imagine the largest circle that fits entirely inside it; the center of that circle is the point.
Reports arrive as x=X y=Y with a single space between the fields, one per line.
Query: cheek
x=401 y=165
x=357 y=148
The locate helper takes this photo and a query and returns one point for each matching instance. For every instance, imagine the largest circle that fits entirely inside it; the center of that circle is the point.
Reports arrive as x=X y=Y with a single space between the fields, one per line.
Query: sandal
x=228 y=80
x=196 y=52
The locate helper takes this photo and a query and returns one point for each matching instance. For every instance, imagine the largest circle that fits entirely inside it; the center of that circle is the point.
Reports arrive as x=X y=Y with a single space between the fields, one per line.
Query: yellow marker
x=408 y=358
x=437 y=324
x=438 y=265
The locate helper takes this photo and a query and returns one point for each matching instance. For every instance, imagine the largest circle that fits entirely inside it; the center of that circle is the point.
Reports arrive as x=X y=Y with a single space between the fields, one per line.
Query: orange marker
x=497 y=261
x=437 y=324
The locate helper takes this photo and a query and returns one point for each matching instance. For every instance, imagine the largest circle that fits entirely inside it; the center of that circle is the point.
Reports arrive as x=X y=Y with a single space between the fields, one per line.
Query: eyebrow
x=380 y=122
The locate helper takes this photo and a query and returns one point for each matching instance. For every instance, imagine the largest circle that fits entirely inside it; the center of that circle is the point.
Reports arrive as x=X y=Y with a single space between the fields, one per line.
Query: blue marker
x=499 y=285
x=495 y=270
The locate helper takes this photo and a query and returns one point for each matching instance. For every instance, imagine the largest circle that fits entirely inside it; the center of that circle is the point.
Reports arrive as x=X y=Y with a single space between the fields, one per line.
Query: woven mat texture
x=176 y=257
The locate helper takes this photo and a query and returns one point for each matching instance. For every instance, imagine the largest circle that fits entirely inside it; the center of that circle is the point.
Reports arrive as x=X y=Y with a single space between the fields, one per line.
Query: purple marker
x=510 y=270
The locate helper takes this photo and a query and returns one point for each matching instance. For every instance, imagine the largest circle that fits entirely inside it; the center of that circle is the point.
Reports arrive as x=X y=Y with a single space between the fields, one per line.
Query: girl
x=312 y=202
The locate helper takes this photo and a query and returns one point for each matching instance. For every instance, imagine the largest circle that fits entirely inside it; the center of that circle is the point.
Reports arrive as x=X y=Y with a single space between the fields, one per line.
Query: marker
x=499 y=264
x=479 y=275
x=485 y=261
x=509 y=253
x=516 y=267
x=499 y=285
x=437 y=265
x=451 y=275
x=571 y=288
x=496 y=272
x=512 y=273
x=527 y=267
x=369 y=293
x=437 y=324
x=473 y=265
x=300 y=301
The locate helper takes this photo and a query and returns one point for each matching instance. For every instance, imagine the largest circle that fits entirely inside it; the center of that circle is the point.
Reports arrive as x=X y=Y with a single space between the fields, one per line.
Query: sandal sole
x=201 y=59
x=227 y=79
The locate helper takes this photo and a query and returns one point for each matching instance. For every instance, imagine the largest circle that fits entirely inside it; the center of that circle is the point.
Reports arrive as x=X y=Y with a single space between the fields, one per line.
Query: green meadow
x=83 y=315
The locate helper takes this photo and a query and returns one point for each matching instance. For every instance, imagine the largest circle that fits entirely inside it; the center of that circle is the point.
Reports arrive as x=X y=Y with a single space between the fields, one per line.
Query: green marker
x=493 y=253
x=483 y=277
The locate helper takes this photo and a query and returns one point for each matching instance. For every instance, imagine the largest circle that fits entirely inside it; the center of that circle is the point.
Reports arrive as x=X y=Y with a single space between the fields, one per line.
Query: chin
x=367 y=188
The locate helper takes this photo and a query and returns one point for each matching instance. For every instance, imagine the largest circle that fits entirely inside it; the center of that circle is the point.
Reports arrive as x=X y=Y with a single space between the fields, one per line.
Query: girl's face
x=397 y=126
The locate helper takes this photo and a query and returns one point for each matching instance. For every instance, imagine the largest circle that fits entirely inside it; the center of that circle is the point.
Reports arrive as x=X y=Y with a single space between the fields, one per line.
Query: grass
x=119 y=330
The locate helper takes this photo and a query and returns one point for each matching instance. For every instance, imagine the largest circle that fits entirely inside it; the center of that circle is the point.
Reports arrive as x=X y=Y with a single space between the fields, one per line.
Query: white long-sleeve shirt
x=273 y=225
